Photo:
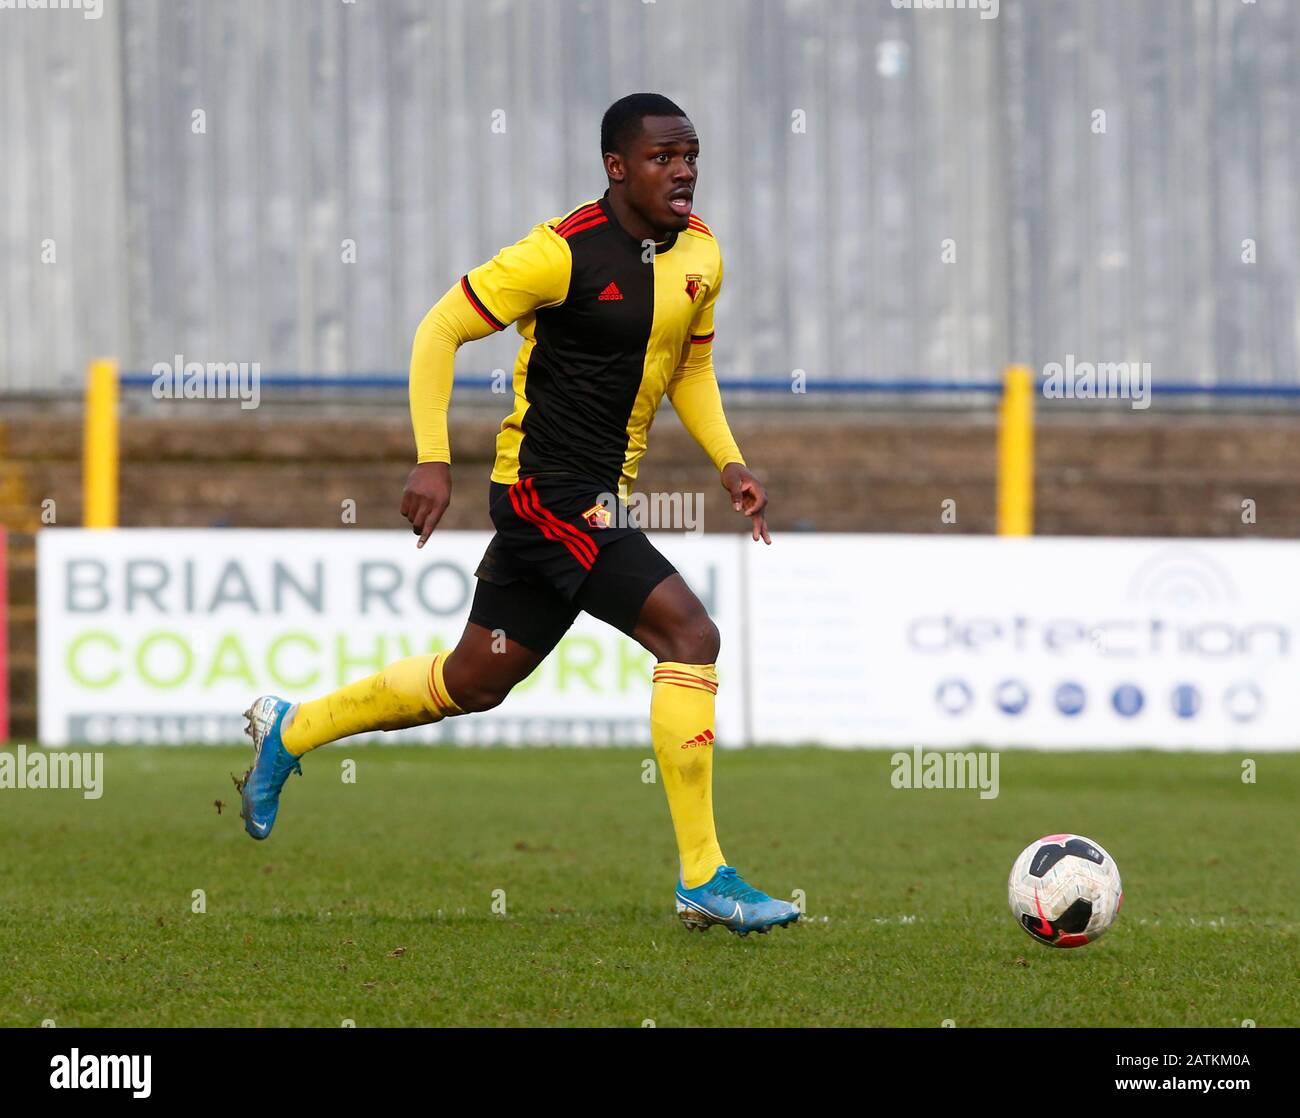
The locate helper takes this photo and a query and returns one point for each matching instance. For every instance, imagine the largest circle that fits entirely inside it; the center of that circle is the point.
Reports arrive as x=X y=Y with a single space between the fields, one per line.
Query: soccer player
x=615 y=304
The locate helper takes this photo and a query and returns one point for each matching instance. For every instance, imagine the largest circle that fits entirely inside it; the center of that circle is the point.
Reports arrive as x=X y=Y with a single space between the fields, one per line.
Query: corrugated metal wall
x=374 y=121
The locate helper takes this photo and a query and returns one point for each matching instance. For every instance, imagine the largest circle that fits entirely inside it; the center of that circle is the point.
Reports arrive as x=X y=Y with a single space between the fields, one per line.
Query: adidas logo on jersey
x=610 y=293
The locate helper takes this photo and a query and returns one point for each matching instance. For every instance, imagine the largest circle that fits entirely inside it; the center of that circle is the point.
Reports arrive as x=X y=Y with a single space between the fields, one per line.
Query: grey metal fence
x=899 y=194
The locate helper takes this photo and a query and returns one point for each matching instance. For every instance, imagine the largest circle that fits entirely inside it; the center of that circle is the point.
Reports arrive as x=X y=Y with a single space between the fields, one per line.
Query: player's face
x=660 y=171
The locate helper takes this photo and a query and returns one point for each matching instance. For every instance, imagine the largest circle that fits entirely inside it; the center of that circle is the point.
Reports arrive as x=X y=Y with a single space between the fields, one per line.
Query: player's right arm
x=519 y=280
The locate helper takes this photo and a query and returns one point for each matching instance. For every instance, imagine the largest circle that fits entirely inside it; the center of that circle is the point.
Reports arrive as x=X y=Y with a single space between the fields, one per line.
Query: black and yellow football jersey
x=609 y=325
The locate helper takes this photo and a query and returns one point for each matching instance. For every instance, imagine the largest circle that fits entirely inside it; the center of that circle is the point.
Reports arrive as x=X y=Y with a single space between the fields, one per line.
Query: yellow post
x=1016 y=453
x=99 y=448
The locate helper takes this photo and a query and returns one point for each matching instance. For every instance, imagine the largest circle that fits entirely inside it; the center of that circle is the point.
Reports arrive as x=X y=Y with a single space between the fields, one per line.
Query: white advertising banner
x=921 y=640
x=845 y=640
x=165 y=636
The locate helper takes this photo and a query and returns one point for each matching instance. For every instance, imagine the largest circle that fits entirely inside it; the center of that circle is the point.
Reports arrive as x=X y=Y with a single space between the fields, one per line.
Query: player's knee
x=480 y=695
x=695 y=641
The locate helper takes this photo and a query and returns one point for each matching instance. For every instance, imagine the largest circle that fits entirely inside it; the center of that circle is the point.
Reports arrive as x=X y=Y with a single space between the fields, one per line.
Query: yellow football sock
x=409 y=692
x=681 y=727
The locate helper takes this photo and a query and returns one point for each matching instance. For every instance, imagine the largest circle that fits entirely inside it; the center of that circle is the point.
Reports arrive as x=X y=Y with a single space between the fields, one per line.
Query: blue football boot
x=272 y=764
x=727 y=899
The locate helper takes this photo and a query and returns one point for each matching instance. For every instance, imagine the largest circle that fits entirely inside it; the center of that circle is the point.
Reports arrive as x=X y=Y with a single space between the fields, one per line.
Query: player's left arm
x=697 y=400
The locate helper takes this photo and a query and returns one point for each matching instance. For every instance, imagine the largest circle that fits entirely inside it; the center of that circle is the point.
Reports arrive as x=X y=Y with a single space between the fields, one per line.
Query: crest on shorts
x=597 y=517
x=693 y=286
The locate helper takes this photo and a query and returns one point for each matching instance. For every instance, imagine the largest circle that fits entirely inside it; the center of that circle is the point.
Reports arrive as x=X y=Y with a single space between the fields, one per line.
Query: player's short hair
x=622 y=120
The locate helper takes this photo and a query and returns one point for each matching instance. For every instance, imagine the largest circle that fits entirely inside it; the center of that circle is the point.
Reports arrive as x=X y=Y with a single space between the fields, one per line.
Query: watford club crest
x=597 y=516
x=693 y=286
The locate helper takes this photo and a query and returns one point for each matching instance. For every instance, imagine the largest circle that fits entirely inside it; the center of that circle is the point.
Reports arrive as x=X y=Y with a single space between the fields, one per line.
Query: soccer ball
x=1065 y=890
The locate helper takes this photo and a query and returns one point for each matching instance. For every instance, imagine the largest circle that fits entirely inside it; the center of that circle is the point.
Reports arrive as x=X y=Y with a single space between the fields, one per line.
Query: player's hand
x=426 y=497
x=747 y=496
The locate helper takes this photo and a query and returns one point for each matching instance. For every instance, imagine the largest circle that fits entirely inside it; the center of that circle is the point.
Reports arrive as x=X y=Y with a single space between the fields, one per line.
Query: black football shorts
x=562 y=546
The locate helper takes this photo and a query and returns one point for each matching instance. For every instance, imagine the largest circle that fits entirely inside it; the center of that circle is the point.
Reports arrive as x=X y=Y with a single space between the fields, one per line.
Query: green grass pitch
x=373 y=902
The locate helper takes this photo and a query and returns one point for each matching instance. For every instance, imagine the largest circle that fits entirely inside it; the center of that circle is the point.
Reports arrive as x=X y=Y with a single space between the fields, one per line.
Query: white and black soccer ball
x=1065 y=890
